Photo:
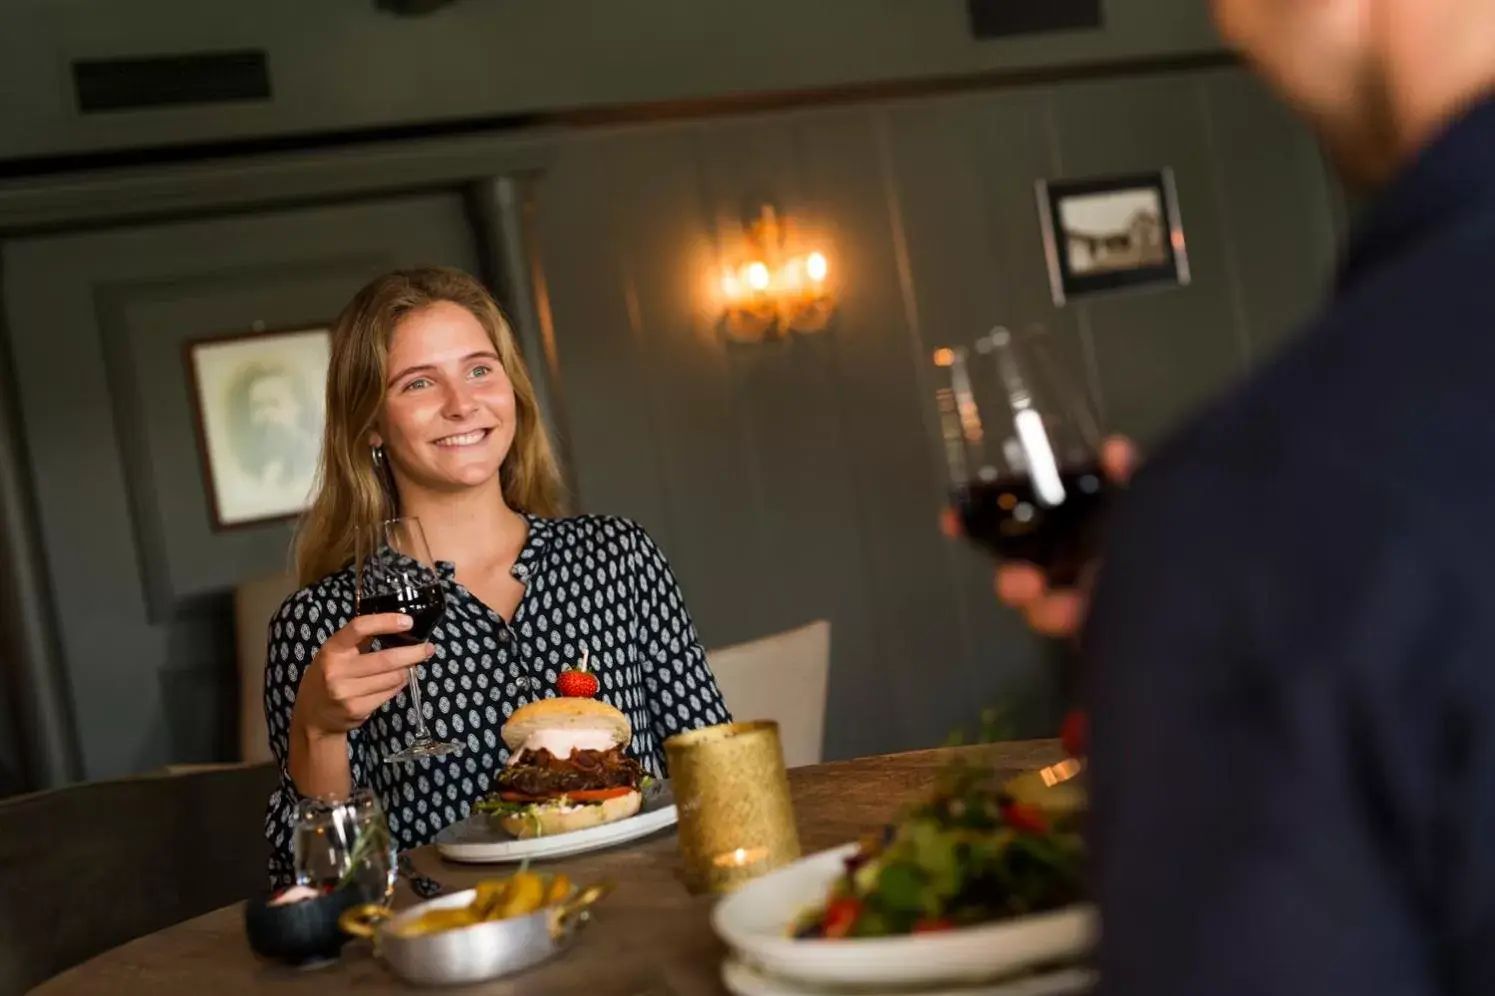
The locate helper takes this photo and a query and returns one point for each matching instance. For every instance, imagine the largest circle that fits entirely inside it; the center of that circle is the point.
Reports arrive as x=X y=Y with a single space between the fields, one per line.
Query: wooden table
x=649 y=938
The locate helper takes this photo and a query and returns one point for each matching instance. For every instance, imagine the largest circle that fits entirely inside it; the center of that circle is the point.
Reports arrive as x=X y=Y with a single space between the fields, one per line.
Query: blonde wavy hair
x=353 y=491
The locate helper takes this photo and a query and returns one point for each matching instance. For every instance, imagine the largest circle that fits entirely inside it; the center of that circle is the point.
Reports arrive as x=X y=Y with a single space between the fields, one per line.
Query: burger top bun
x=586 y=718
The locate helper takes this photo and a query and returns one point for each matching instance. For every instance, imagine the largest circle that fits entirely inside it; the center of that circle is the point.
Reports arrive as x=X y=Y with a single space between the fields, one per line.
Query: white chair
x=782 y=677
x=255 y=603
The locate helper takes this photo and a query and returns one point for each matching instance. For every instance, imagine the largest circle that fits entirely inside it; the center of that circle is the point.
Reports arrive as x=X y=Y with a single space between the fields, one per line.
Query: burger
x=567 y=770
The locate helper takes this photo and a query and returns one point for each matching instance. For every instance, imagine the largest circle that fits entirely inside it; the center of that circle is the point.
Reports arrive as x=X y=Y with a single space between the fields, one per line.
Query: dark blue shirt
x=1293 y=641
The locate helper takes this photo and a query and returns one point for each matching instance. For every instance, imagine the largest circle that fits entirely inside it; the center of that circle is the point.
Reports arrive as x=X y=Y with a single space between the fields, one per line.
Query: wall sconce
x=771 y=293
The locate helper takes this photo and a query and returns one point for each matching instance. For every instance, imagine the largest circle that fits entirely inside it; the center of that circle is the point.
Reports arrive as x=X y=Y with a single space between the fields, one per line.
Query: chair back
x=255 y=603
x=782 y=677
x=91 y=866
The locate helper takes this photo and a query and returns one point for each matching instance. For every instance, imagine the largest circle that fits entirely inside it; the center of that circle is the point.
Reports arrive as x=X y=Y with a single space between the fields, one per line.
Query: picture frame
x=258 y=398
x=1112 y=234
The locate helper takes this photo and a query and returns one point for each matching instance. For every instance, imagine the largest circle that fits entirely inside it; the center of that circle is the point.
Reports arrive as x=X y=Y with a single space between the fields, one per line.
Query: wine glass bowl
x=394 y=572
x=1021 y=449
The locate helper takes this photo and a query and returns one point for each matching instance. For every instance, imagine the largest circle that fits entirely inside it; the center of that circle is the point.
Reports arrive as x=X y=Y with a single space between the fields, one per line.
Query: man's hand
x=1061 y=611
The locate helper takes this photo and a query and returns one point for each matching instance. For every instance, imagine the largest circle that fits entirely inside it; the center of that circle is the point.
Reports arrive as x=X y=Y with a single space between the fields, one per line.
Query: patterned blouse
x=590 y=579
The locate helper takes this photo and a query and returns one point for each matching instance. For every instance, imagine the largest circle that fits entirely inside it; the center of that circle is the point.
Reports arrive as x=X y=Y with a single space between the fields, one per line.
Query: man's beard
x=1366 y=146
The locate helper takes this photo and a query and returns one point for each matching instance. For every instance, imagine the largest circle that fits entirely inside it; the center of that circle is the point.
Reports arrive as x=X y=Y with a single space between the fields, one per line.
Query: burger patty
x=541 y=773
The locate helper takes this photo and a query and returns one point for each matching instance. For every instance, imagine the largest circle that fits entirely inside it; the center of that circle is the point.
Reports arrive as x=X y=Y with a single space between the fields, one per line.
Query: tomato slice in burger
x=585 y=795
x=597 y=795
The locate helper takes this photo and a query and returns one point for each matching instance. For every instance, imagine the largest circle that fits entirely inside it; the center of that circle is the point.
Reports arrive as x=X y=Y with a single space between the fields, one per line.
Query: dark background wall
x=343 y=64
x=800 y=479
x=787 y=482
x=99 y=320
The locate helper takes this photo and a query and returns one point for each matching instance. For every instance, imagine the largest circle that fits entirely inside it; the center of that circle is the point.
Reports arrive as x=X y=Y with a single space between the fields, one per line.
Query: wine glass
x=395 y=573
x=1021 y=450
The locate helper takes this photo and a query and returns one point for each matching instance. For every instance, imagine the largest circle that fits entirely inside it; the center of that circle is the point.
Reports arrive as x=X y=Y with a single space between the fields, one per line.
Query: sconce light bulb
x=758 y=277
x=792 y=276
x=816 y=267
x=731 y=286
x=944 y=357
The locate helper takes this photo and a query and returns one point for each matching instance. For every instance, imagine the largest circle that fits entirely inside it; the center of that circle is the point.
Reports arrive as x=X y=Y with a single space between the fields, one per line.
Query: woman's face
x=448 y=417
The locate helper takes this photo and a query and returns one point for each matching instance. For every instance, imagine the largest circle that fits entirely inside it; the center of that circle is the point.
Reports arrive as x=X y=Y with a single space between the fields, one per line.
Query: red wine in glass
x=394 y=572
x=1021 y=453
x=424 y=605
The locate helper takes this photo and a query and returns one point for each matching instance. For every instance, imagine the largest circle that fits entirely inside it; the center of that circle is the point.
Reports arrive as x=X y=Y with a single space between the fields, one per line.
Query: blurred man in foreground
x=1293 y=637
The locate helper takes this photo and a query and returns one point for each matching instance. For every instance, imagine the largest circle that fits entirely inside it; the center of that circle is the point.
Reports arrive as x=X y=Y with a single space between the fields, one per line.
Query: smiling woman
x=431 y=415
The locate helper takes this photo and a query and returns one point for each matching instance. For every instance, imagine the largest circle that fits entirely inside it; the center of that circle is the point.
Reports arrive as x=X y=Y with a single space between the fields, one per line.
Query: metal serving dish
x=476 y=952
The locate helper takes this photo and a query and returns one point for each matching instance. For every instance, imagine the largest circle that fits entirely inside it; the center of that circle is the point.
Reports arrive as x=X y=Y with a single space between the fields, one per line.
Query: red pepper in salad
x=933 y=925
x=841 y=916
x=1024 y=818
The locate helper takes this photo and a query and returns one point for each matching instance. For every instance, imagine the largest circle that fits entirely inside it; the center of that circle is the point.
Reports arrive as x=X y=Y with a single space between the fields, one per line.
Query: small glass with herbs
x=345 y=842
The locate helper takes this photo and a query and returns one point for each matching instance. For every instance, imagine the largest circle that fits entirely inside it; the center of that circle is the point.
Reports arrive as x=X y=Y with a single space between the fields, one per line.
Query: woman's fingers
x=362 y=628
x=374 y=684
x=363 y=706
x=386 y=661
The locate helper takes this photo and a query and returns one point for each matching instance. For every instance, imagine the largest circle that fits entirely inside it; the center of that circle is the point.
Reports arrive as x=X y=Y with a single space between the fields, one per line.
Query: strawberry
x=574 y=684
x=577 y=682
x=1074 y=734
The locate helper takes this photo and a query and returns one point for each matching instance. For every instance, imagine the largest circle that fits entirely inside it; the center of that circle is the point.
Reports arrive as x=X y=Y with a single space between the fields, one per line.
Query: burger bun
x=563 y=715
x=547 y=819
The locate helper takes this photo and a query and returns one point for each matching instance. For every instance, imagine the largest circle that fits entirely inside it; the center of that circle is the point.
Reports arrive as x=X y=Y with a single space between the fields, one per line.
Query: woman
x=431 y=414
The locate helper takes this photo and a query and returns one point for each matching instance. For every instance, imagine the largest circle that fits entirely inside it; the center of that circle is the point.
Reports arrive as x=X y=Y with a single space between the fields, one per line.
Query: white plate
x=755 y=921
x=745 y=980
x=479 y=840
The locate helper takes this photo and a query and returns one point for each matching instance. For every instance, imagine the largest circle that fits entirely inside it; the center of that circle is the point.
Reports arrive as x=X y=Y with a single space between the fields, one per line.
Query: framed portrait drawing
x=1113 y=234
x=259 y=402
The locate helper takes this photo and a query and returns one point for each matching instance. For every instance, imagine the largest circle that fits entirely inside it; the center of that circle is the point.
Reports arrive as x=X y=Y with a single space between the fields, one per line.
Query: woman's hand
x=1061 y=611
x=343 y=686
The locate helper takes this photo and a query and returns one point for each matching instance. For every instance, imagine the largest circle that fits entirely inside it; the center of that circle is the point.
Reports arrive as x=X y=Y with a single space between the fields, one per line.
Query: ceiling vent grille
x=134 y=84
x=1006 y=18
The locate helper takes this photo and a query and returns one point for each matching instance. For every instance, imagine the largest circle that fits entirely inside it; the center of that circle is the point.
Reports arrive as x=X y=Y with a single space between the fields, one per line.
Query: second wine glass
x=1022 y=453
x=394 y=572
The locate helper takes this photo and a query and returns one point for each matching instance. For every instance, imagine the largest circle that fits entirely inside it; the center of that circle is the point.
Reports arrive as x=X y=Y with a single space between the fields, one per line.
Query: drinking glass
x=1021 y=448
x=345 y=842
x=395 y=573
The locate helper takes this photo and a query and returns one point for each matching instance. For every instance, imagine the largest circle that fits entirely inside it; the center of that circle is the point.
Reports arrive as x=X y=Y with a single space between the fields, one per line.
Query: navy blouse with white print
x=589 y=580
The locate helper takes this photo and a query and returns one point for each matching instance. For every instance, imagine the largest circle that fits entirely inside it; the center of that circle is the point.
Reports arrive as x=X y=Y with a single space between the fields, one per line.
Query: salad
x=969 y=854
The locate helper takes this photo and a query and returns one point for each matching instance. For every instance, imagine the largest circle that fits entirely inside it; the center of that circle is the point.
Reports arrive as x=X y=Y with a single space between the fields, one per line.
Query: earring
x=377 y=452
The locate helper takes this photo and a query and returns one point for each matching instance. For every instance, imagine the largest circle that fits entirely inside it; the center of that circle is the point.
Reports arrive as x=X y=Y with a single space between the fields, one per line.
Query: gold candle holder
x=736 y=819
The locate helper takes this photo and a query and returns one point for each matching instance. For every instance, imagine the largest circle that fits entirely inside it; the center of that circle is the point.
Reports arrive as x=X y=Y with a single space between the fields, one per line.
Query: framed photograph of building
x=259 y=399
x=1112 y=234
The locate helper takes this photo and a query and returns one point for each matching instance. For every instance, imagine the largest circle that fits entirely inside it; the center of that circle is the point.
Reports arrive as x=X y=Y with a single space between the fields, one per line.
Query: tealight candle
x=736 y=819
x=740 y=858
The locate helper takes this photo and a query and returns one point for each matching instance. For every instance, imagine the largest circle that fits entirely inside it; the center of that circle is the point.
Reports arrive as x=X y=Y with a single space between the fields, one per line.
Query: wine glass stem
x=412 y=682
